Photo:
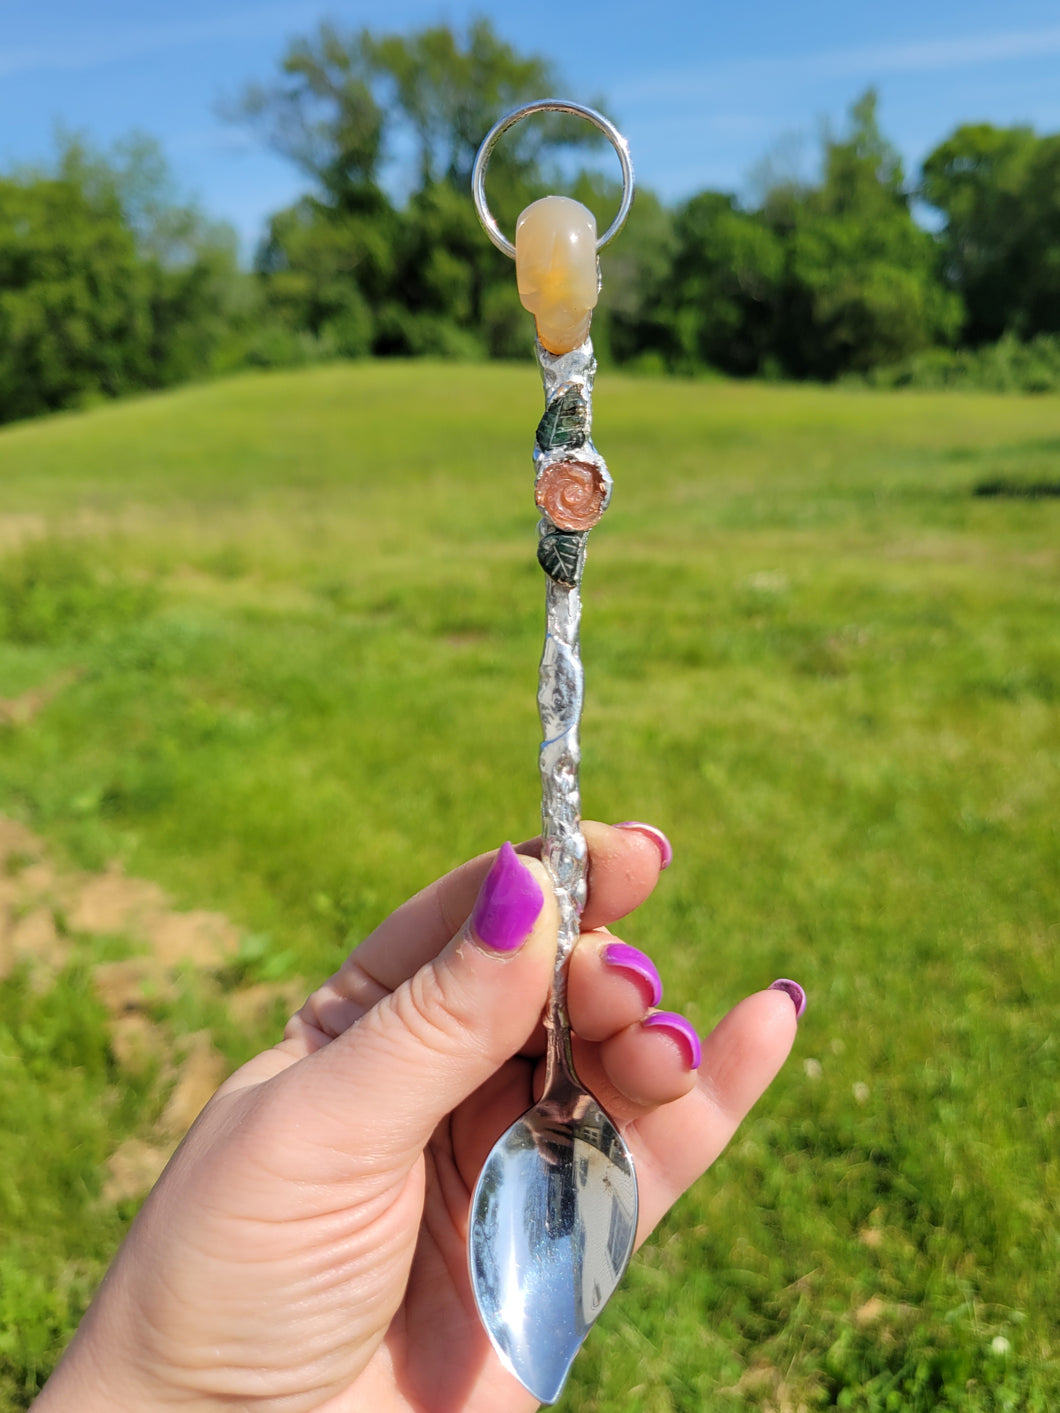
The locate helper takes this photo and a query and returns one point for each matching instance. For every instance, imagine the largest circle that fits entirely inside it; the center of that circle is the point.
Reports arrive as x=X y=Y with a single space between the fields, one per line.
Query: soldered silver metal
x=554 y=1211
x=549 y=105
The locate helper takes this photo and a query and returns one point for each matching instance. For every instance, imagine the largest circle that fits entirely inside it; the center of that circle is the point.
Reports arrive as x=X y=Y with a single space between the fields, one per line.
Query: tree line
x=109 y=284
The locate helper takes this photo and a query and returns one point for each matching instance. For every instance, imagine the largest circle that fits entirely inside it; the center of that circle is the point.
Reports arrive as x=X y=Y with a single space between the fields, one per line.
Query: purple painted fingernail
x=627 y=958
x=677 y=1026
x=507 y=905
x=794 y=990
x=657 y=837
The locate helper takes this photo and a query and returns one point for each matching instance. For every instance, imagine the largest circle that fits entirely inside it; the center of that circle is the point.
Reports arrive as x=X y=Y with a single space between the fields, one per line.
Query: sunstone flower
x=573 y=494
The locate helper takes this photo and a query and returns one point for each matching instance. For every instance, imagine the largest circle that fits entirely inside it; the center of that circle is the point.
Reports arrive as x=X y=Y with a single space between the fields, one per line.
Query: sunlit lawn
x=305 y=616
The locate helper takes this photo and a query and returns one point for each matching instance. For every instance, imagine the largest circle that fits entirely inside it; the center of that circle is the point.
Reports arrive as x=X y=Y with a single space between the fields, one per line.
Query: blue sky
x=703 y=91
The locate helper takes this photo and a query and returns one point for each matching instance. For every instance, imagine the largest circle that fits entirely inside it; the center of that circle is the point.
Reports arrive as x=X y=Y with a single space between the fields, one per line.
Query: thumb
x=422 y=1049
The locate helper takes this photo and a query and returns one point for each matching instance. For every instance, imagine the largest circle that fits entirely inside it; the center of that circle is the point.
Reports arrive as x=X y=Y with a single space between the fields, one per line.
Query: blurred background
x=270 y=617
x=822 y=193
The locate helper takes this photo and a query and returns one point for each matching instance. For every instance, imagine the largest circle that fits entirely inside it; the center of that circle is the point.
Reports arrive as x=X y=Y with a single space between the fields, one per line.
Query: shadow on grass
x=1014 y=487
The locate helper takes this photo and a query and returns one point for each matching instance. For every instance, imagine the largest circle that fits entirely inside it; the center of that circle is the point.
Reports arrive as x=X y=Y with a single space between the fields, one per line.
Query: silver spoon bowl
x=553 y=1219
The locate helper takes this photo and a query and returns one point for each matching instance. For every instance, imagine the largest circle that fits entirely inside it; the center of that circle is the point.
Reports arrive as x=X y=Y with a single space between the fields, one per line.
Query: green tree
x=75 y=299
x=629 y=320
x=107 y=283
x=999 y=190
x=447 y=95
x=386 y=128
x=863 y=282
x=325 y=268
x=822 y=278
x=200 y=301
x=322 y=115
x=718 y=300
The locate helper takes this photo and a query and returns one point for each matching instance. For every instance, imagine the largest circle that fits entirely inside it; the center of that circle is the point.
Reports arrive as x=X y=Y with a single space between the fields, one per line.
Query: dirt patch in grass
x=102 y=904
x=47 y=913
x=193 y=1069
x=42 y=910
x=18 y=527
x=113 y=903
x=18 y=711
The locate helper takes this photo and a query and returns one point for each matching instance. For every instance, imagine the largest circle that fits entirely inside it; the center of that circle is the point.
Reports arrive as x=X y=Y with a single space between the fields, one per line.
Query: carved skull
x=557 y=271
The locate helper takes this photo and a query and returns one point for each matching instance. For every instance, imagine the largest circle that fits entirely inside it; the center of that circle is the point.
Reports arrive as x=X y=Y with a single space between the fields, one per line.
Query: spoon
x=553 y=1218
x=554 y=1211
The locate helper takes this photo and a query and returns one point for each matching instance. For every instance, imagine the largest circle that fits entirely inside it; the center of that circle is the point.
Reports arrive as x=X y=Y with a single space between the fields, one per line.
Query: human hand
x=306 y=1247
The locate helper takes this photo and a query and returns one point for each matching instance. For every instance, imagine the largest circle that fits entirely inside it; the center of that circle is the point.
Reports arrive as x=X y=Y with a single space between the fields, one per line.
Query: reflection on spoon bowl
x=553 y=1218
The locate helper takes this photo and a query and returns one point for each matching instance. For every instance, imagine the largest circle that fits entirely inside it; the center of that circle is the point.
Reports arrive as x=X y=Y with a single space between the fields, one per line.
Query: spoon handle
x=573 y=487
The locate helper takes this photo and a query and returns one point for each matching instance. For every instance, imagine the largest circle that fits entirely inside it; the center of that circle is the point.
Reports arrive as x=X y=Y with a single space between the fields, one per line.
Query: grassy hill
x=271 y=644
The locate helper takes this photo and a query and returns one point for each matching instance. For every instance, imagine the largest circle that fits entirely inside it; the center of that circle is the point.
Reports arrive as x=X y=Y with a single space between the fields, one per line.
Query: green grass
x=305 y=616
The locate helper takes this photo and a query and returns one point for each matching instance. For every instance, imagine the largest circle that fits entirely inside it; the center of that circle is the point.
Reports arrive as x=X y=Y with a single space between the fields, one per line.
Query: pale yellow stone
x=556 y=270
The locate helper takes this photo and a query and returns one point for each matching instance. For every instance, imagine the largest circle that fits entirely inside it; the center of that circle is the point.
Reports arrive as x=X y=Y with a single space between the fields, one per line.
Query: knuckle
x=434 y=1007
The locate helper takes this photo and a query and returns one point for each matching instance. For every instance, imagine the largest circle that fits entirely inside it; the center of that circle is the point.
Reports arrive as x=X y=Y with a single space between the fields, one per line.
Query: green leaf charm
x=565 y=423
x=560 y=553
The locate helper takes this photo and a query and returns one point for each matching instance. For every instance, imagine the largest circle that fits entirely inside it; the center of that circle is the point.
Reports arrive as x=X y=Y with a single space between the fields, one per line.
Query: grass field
x=272 y=645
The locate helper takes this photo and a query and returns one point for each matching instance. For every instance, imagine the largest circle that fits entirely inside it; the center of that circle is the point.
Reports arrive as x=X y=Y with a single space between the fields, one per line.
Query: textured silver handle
x=573 y=488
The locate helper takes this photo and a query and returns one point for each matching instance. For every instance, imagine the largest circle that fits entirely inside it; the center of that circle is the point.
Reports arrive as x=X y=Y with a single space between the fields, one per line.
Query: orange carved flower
x=572 y=494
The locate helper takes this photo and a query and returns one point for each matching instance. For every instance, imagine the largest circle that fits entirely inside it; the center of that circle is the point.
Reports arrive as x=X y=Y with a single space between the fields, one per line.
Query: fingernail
x=794 y=990
x=627 y=958
x=507 y=905
x=677 y=1026
x=657 y=837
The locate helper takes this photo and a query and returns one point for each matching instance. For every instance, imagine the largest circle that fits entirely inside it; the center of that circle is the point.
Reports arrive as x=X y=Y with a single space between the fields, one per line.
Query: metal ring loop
x=549 y=105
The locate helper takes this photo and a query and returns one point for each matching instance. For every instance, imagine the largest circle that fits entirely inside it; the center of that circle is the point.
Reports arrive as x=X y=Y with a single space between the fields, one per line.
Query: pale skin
x=306 y=1247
